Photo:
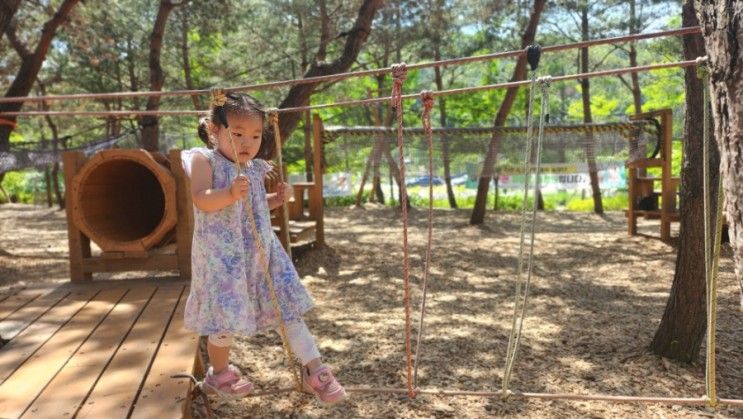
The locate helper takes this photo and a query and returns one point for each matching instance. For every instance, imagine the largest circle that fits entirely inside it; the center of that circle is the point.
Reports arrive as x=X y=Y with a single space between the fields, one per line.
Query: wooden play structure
x=135 y=206
x=98 y=349
x=643 y=194
x=305 y=216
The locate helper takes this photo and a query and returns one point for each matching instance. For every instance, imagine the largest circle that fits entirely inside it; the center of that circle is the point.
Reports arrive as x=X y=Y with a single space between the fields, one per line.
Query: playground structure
x=642 y=187
x=305 y=216
x=133 y=204
x=531 y=164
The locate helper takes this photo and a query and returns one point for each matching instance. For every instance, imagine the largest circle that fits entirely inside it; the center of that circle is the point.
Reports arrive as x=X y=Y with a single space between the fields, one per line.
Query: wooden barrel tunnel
x=125 y=200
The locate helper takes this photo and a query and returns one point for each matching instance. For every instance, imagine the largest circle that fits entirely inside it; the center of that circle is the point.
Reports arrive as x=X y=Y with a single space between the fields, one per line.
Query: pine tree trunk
x=682 y=328
x=519 y=73
x=721 y=22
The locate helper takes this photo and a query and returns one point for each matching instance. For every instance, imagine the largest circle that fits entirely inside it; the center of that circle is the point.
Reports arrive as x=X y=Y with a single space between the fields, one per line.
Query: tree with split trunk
x=682 y=328
x=519 y=73
x=150 y=124
x=721 y=22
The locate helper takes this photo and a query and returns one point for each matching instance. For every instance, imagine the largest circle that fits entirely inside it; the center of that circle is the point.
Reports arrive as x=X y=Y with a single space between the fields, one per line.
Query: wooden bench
x=104 y=349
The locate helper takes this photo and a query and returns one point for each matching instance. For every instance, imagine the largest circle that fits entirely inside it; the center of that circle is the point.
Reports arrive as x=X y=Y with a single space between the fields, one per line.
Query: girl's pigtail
x=203 y=131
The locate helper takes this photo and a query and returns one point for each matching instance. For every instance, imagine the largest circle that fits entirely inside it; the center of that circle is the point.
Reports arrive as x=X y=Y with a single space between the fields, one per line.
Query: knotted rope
x=428 y=101
x=399 y=72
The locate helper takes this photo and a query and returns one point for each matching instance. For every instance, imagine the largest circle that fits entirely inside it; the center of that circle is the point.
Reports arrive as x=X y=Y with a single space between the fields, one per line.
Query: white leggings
x=300 y=341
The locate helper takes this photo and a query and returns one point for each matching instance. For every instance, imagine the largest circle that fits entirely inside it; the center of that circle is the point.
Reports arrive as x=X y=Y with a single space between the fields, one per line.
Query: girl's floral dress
x=229 y=292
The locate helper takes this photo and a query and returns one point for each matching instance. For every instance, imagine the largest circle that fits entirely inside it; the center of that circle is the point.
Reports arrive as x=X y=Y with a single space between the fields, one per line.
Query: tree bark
x=55 y=146
x=185 y=27
x=299 y=94
x=30 y=66
x=519 y=73
x=721 y=23
x=150 y=124
x=8 y=8
x=585 y=84
x=681 y=330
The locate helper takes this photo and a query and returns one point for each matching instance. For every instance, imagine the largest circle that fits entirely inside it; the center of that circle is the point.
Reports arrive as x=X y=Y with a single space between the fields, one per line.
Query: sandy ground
x=596 y=299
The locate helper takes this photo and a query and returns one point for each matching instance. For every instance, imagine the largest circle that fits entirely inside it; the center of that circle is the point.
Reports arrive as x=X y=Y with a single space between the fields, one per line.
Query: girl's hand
x=239 y=187
x=284 y=192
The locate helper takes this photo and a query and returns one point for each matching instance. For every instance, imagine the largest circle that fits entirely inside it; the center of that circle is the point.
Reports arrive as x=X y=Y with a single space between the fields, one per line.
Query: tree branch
x=16 y=43
x=299 y=95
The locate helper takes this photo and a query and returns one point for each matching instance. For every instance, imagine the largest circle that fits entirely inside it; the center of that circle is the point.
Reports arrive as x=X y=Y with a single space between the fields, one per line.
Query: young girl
x=229 y=292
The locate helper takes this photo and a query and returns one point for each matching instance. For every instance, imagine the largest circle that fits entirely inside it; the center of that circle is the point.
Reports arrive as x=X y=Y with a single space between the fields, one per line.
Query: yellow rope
x=521 y=296
x=264 y=261
x=273 y=118
x=711 y=252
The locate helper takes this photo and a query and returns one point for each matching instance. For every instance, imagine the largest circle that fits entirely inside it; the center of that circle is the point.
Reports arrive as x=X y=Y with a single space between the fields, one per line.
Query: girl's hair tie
x=218 y=101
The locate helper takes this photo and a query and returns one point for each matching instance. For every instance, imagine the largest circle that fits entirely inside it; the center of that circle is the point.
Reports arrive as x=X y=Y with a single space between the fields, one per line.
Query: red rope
x=399 y=72
x=8 y=122
x=428 y=102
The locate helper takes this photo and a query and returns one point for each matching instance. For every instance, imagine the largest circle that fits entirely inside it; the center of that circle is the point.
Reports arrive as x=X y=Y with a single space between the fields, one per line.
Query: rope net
x=369 y=155
x=39 y=154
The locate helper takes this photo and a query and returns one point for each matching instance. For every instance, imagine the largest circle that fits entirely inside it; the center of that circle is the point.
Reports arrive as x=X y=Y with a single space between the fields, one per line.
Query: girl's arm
x=204 y=197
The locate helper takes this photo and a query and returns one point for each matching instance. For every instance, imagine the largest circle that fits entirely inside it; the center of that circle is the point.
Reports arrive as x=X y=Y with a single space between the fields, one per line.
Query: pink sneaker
x=227 y=384
x=323 y=385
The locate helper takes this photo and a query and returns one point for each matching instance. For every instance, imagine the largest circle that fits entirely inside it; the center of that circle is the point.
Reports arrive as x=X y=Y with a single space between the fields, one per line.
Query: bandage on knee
x=221 y=340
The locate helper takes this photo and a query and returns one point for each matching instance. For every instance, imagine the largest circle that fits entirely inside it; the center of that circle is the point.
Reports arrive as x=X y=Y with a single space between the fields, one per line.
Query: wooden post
x=79 y=244
x=667 y=189
x=316 y=200
x=184 y=211
x=631 y=217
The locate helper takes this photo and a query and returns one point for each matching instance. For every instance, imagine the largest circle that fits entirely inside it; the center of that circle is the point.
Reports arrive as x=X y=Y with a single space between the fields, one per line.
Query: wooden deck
x=102 y=349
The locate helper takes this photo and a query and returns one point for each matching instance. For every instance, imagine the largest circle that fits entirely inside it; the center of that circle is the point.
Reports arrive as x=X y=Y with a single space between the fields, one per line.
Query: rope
x=262 y=257
x=521 y=395
x=520 y=300
x=273 y=118
x=8 y=122
x=527 y=176
x=399 y=72
x=362 y=73
x=428 y=102
x=370 y=101
x=711 y=252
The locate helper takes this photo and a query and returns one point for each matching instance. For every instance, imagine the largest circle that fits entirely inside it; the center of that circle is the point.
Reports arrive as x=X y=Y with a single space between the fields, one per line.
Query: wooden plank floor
x=102 y=349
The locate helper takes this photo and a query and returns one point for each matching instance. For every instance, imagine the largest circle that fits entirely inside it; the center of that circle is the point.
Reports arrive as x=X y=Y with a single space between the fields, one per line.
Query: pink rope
x=362 y=73
x=399 y=72
x=372 y=101
x=428 y=102
x=700 y=401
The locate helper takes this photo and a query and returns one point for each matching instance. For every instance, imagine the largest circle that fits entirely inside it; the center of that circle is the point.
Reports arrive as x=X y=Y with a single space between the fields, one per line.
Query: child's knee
x=221 y=340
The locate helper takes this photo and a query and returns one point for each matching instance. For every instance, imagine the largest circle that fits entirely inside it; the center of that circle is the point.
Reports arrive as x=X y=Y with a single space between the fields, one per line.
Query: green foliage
x=617 y=202
x=22 y=186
